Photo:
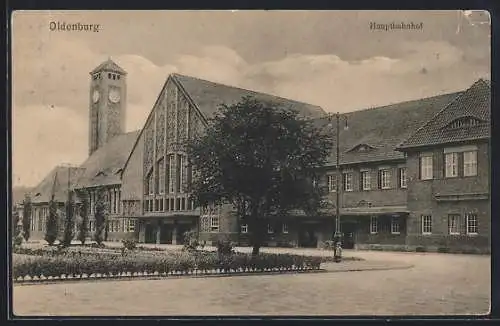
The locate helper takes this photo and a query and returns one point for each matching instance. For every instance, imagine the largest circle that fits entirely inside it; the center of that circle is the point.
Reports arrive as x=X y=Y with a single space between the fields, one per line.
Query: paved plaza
x=436 y=284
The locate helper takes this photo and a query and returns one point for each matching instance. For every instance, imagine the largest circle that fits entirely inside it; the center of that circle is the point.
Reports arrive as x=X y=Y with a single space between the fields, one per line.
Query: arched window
x=149 y=184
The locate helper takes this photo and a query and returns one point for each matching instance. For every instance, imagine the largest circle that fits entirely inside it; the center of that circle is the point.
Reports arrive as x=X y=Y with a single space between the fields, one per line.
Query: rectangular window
x=471 y=220
x=402 y=178
x=426 y=167
x=151 y=185
x=426 y=224
x=395 y=225
x=470 y=163
x=385 y=179
x=332 y=183
x=244 y=228
x=365 y=180
x=270 y=229
x=454 y=224
x=285 y=227
x=451 y=165
x=214 y=223
x=347 y=181
x=373 y=224
x=131 y=225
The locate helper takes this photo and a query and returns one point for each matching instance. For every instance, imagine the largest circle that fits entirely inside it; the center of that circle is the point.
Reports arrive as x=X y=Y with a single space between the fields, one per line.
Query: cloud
x=51 y=72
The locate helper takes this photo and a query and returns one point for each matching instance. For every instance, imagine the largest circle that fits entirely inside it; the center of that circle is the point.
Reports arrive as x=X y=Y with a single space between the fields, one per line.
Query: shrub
x=225 y=247
x=67 y=262
x=443 y=250
x=129 y=244
x=191 y=241
x=329 y=245
x=421 y=249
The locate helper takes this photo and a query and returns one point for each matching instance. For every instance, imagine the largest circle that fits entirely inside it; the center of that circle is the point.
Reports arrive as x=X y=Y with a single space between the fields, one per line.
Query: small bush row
x=181 y=262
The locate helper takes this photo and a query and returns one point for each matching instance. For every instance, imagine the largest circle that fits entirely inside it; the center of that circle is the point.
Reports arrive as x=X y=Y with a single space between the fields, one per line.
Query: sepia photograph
x=250 y=163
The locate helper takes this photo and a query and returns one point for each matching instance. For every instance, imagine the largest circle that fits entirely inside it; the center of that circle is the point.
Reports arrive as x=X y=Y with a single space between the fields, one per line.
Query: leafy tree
x=69 y=221
x=261 y=159
x=17 y=237
x=100 y=215
x=51 y=228
x=27 y=211
x=84 y=213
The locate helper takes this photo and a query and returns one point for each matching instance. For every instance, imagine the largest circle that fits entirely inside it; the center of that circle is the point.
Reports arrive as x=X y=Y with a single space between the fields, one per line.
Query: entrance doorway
x=307 y=236
x=349 y=235
x=150 y=233
x=166 y=233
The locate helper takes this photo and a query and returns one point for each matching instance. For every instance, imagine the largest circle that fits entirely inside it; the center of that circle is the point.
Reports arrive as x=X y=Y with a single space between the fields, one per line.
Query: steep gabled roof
x=57 y=181
x=382 y=128
x=109 y=65
x=208 y=96
x=104 y=166
x=474 y=103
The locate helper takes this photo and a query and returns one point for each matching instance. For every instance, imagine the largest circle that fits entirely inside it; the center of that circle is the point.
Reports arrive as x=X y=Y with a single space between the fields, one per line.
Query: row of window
x=471 y=224
x=384 y=180
x=456 y=164
x=113 y=201
x=173 y=175
x=214 y=226
x=168 y=204
x=39 y=223
x=110 y=76
x=395 y=227
x=116 y=225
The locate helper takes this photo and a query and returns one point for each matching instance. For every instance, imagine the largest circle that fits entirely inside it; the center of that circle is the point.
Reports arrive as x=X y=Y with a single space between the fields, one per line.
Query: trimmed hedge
x=98 y=264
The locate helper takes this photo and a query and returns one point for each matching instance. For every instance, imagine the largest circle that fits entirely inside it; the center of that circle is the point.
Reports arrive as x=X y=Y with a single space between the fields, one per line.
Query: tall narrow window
x=451 y=165
x=426 y=224
x=365 y=180
x=470 y=163
x=347 y=181
x=332 y=183
x=181 y=170
x=471 y=220
x=426 y=167
x=270 y=229
x=402 y=178
x=151 y=185
x=373 y=224
x=385 y=179
x=171 y=179
x=244 y=228
x=454 y=224
x=161 y=176
x=395 y=225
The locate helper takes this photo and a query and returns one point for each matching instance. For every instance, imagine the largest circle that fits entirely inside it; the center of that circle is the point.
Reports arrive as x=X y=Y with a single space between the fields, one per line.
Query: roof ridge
x=458 y=93
x=246 y=90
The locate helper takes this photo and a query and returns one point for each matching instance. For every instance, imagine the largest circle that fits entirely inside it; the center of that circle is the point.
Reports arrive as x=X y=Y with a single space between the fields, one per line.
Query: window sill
x=472 y=234
x=454 y=233
x=426 y=233
x=396 y=233
x=373 y=233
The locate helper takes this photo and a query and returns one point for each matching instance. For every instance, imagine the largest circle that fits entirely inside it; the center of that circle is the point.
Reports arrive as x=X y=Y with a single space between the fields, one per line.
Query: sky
x=327 y=58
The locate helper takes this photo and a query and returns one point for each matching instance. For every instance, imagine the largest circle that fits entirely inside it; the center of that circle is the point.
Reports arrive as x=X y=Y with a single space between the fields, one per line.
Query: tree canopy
x=261 y=158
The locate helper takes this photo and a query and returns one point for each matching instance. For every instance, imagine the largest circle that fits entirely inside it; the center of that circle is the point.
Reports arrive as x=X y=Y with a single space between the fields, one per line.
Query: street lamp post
x=338 y=235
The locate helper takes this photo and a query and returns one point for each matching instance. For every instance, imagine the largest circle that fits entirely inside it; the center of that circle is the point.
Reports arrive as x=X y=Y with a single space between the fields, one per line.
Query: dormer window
x=464 y=122
x=109 y=75
x=361 y=148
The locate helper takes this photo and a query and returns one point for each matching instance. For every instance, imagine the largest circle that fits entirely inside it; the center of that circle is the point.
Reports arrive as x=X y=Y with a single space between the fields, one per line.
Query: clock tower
x=107 y=104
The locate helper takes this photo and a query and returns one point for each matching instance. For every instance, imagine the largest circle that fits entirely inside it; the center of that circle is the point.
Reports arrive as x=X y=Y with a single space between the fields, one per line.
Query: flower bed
x=83 y=266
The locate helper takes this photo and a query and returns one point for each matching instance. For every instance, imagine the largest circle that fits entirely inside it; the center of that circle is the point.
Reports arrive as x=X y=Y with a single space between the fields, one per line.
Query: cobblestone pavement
x=437 y=284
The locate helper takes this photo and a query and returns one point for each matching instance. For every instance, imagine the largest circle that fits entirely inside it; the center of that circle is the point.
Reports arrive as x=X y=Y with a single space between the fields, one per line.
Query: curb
x=367 y=269
x=161 y=277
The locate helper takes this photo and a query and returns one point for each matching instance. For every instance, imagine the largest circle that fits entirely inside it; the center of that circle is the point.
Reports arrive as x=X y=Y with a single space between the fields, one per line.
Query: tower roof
x=109 y=65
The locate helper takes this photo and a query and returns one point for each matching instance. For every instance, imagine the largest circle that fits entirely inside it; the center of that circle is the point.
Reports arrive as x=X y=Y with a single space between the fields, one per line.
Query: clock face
x=95 y=96
x=114 y=95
